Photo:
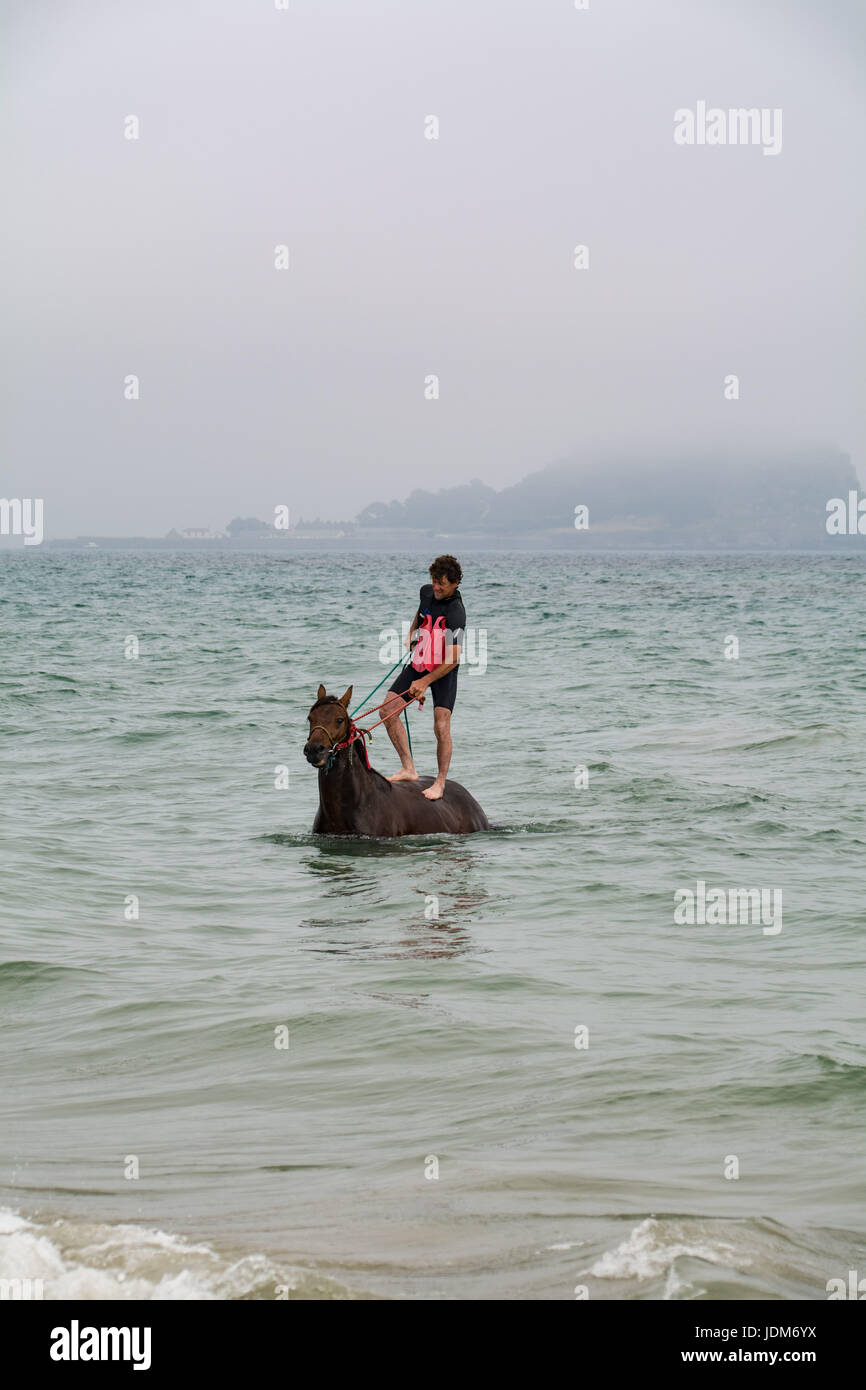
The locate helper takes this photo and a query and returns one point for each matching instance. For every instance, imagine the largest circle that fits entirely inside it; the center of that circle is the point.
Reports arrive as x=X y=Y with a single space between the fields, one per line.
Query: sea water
x=239 y=1061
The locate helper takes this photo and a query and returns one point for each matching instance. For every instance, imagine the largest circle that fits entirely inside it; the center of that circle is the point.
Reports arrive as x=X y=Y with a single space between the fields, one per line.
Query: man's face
x=442 y=588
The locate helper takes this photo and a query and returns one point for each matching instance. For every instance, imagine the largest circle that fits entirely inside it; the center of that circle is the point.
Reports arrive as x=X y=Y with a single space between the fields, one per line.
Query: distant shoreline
x=285 y=550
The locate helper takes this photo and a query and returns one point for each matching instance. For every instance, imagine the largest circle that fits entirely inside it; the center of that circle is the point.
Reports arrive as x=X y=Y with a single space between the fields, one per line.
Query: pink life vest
x=429 y=651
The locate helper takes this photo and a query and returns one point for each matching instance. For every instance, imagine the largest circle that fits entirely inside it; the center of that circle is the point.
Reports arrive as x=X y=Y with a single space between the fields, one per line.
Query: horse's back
x=399 y=808
x=456 y=811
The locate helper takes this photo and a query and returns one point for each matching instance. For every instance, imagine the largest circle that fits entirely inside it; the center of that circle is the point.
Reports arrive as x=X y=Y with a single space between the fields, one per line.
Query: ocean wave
x=85 y=1260
x=533 y=827
x=654 y=1246
x=196 y=714
x=813 y=1078
x=23 y=972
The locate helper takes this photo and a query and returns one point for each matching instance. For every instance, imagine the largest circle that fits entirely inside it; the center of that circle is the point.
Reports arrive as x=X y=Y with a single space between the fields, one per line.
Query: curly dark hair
x=446 y=567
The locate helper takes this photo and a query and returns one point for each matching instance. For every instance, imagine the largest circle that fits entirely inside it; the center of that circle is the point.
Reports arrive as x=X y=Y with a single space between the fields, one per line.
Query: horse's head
x=329 y=725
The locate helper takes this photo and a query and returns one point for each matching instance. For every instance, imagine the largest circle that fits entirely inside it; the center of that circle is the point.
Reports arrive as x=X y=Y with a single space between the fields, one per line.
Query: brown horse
x=355 y=799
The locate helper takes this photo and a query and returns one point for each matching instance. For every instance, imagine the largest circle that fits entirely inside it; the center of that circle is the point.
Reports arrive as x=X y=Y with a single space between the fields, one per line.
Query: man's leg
x=397 y=735
x=442 y=729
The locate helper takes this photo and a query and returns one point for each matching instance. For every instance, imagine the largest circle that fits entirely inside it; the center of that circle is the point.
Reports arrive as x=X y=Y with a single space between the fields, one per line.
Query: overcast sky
x=410 y=256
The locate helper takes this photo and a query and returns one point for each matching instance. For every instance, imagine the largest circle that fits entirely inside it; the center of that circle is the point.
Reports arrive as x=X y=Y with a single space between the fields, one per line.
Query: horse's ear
x=346 y=699
x=322 y=693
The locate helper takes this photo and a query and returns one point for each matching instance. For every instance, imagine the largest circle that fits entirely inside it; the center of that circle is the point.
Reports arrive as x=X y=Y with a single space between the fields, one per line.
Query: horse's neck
x=342 y=790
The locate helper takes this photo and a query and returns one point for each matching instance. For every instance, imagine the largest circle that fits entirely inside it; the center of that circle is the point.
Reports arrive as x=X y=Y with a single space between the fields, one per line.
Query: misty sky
x=410 y=256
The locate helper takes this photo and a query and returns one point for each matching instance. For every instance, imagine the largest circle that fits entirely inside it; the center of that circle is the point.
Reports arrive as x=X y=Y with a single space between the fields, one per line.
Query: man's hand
x=417 y=690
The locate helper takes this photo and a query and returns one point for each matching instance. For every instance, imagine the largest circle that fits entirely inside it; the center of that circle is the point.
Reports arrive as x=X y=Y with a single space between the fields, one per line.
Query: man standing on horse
x=439 y=625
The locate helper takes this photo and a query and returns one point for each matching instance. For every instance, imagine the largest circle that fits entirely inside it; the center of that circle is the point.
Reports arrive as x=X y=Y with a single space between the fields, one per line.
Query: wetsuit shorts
x=444 y=691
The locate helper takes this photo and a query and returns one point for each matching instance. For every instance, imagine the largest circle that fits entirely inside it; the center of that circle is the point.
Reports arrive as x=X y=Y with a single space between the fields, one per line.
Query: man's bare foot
x=434 y=792
x=404 y=776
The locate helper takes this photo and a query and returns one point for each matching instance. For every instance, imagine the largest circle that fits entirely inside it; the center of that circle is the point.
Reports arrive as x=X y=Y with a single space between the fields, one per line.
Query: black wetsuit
x=444 y=691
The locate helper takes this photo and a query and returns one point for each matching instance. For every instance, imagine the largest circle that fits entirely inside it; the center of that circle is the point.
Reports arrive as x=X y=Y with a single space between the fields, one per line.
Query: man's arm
x=413 y=629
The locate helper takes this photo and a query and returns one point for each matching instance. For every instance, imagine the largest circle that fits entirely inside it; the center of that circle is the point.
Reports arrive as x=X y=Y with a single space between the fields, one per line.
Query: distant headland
x=694 y=502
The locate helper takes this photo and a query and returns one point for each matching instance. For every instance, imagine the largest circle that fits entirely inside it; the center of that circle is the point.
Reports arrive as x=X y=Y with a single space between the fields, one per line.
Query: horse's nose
x=312 y=750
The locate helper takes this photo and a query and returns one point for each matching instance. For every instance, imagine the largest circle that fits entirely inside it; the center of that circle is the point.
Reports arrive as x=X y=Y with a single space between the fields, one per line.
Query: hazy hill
x=751 y=500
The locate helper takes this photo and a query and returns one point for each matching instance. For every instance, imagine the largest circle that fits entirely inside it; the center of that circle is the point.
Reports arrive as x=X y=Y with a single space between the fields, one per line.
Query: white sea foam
x=653 y=1247
x=83 y=1260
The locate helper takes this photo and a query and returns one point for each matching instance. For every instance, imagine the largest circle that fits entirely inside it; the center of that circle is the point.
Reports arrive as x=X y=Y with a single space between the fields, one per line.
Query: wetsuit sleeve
x=456 y=621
